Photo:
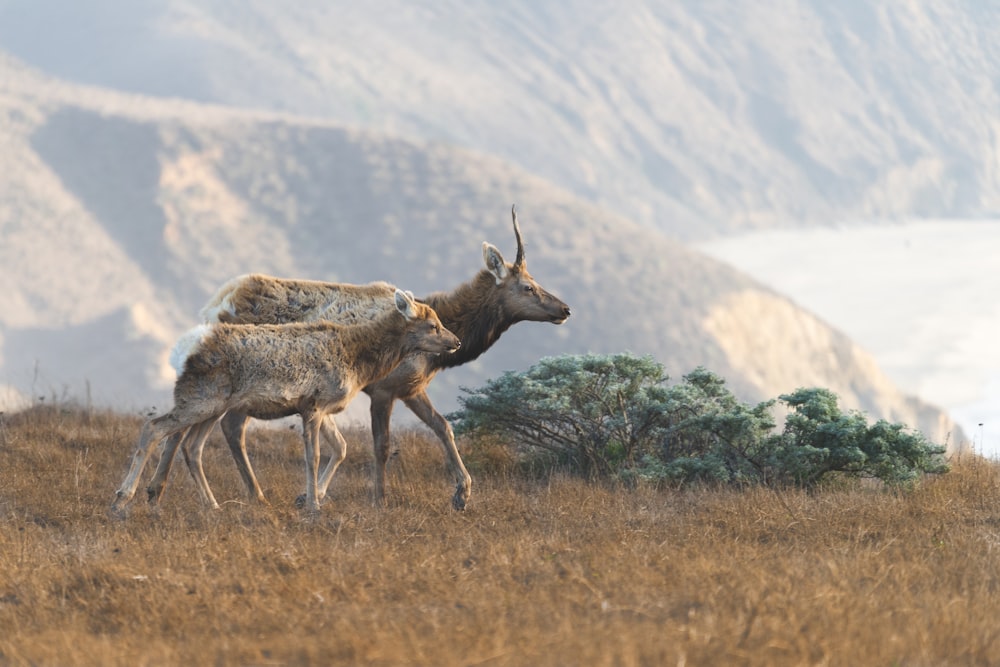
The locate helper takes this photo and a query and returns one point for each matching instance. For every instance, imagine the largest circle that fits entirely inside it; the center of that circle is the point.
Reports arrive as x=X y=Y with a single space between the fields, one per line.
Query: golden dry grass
x=555 y=572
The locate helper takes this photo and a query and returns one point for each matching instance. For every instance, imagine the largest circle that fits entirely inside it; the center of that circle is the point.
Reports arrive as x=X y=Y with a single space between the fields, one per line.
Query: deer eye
x=529 y=289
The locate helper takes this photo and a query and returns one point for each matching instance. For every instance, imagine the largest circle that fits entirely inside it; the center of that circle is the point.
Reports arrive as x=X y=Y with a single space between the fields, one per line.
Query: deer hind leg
x=192 y=445
x=381 y=413
x=234 y=426
x=153 y=431
x=421 y=406
x=167 y=454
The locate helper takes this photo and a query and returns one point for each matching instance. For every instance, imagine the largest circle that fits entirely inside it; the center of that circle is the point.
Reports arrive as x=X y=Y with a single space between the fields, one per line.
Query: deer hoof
x=118 y=504
x=117 y=509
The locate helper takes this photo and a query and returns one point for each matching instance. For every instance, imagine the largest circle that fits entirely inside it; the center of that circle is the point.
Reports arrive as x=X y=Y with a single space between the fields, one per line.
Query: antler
x=519 y=260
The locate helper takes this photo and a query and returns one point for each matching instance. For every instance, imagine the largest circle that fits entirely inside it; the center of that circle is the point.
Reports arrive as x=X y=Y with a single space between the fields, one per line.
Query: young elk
x=478 y=311
x=311 y=369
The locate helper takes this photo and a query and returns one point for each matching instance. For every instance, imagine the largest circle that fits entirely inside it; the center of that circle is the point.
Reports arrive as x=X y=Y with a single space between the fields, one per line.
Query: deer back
x=260 y=299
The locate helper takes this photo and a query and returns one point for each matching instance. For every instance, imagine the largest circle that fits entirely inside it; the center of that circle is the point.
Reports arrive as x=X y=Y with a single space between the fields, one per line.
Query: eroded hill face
x=772 y=343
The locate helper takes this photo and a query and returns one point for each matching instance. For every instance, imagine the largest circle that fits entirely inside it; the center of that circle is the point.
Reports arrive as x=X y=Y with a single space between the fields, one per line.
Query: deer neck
x=472 y=312
x=378 y=347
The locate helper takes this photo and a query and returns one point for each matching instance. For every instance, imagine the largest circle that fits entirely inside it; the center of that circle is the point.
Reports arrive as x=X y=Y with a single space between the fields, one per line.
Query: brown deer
x=478 y=311
x=311 y=369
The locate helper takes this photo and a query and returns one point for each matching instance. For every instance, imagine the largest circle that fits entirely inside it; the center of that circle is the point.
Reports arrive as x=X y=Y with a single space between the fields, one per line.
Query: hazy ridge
x=160 y=210
x=388 y=142
x=694 y=118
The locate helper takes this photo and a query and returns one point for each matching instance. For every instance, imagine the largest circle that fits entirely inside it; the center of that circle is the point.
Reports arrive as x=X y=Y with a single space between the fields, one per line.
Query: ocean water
x=922 y=297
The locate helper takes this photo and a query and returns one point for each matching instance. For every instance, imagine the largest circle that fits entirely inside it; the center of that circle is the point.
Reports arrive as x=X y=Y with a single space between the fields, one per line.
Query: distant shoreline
x=920 y=296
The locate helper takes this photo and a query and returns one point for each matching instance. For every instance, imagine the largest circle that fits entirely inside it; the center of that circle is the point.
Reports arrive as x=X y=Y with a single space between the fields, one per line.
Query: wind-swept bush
x=594 y=414
x=819 y=438
x=616 y=416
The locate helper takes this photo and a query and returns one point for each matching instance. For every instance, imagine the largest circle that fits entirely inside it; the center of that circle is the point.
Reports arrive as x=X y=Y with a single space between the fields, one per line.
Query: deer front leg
x=333 y=437
x=421 y=406
x=311 y=423
x=381 y=412
x=338 y=445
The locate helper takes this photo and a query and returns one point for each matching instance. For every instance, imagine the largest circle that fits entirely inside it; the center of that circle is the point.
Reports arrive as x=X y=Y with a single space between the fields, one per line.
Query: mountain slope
x=694 y=118
x=130 y=212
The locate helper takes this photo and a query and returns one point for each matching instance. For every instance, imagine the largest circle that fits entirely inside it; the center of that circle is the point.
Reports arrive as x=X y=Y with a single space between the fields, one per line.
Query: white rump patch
x=221 y=300
x=186 y=345
x=210 y=313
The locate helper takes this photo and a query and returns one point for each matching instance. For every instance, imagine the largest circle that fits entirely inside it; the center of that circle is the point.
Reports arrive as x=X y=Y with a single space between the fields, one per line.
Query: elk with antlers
x=311 y=369
x=478 y=312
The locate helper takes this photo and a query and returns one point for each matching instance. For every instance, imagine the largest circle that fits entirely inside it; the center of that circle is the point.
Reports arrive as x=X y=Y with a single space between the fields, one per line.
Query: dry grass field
x=536 y=572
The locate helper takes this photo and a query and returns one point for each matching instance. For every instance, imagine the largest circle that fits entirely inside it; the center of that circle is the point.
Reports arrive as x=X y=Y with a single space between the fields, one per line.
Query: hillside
x=122 y=214
x=689 y=117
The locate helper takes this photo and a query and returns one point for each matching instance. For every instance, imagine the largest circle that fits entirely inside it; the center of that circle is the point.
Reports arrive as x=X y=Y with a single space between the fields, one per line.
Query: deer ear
x=405 y=305
x=494 y=262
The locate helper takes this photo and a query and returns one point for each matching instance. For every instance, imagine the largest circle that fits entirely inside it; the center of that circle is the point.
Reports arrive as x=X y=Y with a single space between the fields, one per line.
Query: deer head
x=424 y=331
x=519 y=295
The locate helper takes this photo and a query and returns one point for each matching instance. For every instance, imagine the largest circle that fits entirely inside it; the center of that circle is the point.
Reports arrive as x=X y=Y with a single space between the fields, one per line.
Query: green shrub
x=616 y=416
x=593 y=414
x=819 y=439
x=713 y=437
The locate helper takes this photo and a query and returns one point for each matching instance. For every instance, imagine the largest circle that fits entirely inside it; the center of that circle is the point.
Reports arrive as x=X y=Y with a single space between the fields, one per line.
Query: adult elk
x=478 y=312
